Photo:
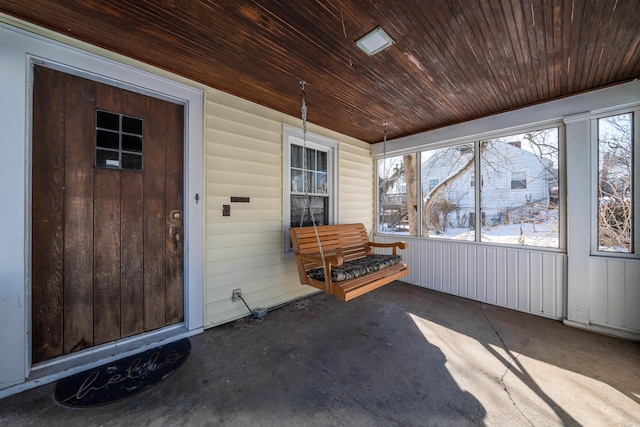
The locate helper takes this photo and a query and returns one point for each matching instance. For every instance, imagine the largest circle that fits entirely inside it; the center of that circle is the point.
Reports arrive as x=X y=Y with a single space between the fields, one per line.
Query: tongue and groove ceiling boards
x=451 y=61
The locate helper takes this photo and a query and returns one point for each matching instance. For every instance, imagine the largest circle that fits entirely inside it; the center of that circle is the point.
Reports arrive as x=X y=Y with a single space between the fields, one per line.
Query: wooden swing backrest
x=347 y=240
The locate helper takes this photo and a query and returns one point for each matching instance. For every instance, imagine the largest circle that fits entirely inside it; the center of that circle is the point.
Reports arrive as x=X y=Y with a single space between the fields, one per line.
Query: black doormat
x=122 y=378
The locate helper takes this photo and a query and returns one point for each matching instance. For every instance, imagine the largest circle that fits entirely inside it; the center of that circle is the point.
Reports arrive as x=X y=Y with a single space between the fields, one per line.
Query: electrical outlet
x=235 y=295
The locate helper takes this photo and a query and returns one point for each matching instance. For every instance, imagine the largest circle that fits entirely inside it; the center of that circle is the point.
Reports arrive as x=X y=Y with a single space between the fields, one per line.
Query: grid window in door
x=118 y=141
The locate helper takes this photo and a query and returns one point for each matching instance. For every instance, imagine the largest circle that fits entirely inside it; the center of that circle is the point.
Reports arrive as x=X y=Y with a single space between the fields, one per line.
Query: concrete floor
x=399 y=356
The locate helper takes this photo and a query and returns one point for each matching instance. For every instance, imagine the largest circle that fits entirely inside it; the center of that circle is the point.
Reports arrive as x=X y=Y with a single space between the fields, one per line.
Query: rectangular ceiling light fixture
x=374 y=41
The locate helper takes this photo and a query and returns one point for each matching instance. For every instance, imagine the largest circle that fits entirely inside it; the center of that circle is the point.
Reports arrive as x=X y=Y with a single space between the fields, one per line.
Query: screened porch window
x=616 y=183
x=516 y=203
x=397 y=196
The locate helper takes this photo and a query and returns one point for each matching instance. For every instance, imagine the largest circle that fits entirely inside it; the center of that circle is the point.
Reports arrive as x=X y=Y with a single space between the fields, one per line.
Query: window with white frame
x=518 y=198
x=520 y=172
x=397 y=198
x=519 y=180
x=310 y=191
x=615 y=185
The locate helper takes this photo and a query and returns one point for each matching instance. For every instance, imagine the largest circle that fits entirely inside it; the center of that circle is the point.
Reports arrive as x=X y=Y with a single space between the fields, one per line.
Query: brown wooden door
x=107 y=200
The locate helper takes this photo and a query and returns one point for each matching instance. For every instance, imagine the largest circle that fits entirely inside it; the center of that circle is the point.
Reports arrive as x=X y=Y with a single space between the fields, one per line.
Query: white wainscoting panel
x=521 y=279
x=614 y=293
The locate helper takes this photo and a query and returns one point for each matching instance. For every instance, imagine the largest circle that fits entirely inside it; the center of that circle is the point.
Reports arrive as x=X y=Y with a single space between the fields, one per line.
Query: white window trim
x=635 y=238
x=292 y=135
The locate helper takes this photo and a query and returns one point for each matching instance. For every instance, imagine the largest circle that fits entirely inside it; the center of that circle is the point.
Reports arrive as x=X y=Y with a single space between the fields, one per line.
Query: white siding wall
x=496 y=191
x=531 y=281
x=243 y=157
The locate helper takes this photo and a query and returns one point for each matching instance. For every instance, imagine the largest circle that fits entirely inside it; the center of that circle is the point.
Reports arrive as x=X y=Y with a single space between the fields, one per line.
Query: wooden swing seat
x=352 y=267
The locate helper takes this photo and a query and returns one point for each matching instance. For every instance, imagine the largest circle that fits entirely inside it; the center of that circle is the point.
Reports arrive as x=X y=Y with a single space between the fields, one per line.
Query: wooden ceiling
x=452 y=61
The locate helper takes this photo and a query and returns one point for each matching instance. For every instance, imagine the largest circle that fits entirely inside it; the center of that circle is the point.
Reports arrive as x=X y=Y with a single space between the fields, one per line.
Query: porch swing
x=339 y=259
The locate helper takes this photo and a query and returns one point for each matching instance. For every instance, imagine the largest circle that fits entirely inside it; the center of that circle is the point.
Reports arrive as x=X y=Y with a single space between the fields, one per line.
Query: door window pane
x=131 y=161
x=448 y=196
x=131 y=125
x=519 y=179
x=106 y=120
x=107 y=139
x=107 y=159
x=615 y=183
x=132 y=143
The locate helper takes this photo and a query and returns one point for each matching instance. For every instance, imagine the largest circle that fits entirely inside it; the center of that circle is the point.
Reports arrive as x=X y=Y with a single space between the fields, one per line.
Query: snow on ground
x=539 y=234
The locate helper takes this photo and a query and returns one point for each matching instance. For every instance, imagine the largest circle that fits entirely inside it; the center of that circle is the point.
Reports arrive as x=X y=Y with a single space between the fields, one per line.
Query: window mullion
x=635 y=182
x=419 y=193
x=478 y=192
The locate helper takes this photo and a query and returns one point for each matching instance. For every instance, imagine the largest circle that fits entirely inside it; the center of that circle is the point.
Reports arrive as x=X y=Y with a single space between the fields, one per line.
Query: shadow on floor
x=399 y=356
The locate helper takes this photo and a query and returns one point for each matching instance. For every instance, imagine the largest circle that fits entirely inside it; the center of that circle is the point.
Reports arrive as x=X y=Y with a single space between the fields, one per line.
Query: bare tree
x=409 y=162
x=392 y=201
x=429 y=220
x=615 y=183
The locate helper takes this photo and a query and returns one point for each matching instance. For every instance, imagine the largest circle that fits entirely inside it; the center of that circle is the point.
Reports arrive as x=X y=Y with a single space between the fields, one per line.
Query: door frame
x=23 y=50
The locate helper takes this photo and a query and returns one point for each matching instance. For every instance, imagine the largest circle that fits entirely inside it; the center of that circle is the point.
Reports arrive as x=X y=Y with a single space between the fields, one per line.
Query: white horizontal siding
x=355 y=170
x=517 y=278
x=243 y=157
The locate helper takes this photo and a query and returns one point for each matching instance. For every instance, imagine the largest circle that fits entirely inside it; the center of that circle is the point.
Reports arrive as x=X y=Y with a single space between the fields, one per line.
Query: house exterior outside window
x=518 y=196
x=518 y=180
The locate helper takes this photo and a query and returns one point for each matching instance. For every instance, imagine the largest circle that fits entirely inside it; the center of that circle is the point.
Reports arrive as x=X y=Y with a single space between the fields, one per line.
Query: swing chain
x=304 y=113
x=303 y=110
x=384 y=168
x=384 y=143
x=307 y=184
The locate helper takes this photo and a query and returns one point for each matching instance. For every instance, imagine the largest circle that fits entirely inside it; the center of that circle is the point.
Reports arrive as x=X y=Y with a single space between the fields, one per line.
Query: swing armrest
x=335 y=259
x=316 y=261
x=394 y=245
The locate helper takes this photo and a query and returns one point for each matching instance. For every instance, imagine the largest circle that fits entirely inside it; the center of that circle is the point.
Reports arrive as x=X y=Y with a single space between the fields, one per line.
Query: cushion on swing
x=357 y=267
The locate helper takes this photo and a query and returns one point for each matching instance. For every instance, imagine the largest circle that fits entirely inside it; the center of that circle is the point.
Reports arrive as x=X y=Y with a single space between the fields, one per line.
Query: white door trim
x=19 y=51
